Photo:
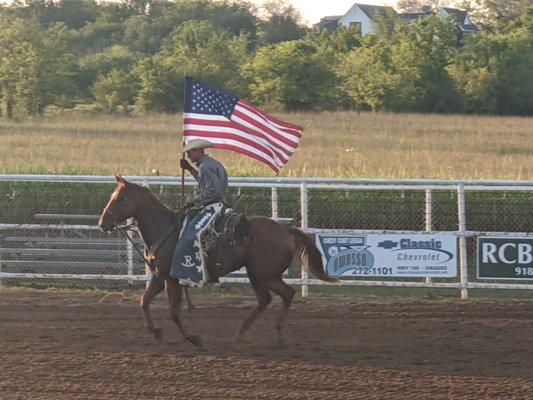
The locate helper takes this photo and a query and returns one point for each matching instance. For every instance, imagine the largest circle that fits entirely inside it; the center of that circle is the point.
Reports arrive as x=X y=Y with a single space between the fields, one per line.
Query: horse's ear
x=120 y=180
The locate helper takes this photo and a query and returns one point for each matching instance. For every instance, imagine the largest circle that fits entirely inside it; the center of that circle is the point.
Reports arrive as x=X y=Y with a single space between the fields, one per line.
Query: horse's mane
x=145 y=191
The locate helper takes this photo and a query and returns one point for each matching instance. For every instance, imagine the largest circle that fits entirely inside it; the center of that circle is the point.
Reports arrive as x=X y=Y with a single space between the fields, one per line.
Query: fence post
x=147 y=270
x=429 y=224
x=304 y=225
x=274 y=199
x=461 y=210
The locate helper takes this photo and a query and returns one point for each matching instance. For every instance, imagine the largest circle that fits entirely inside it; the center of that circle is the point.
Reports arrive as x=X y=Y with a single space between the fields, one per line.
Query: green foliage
x=161 y=86
x=406 y=71
x=66 y=51
x=281 y=23
x=101 y=64
x=334 y=45
x=291 y=76
x=115 y=91
x=495 y=69
x=196 y=48
x=36 y=69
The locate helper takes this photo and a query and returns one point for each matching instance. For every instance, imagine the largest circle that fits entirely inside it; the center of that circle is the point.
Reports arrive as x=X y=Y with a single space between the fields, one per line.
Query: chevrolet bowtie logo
x=388 y=244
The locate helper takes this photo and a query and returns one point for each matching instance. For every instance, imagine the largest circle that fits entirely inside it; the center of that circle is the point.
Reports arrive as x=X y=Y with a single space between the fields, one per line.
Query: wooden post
x=147 y=269
x=461 y=210
x=274 y=200
x=304 y=225
x=429 y=226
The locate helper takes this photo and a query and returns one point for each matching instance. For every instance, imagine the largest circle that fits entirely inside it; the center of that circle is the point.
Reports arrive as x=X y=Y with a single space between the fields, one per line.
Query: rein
x=125 y=228
x=153 y=249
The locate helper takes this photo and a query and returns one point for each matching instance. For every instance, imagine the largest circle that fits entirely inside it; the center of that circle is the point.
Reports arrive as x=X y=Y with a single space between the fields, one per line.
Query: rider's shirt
x=212 y=180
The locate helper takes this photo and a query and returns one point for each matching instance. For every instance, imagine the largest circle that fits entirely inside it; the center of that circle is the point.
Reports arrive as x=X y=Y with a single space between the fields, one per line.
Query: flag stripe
x=230 y=126
x=219 y=134
x=258 y=119
x=263 y=118
x=297 y=130
x=238 y=147
x=251 y=120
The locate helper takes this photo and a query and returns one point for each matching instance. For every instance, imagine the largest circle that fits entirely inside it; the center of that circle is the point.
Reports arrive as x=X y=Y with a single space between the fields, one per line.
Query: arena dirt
x=68 y=345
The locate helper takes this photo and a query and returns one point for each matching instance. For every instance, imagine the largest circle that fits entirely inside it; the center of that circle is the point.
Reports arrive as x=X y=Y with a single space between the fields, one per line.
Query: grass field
x=335 y=144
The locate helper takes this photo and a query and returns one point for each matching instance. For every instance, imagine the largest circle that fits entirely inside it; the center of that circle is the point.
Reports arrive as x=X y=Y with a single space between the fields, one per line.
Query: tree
x=413 y=6
x=35 y=67
x=406 y=72
x=493 y=12
x=101 y=64
x=76 y=13
x=494 y=69
x=96 y=36
x=289 y=75
x=367 y=76
x=115 y=91
x=200 y=49
x=281 y=23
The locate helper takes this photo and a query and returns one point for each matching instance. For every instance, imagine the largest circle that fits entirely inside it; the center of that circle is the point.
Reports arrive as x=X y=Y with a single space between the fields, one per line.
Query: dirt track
x=65 y=345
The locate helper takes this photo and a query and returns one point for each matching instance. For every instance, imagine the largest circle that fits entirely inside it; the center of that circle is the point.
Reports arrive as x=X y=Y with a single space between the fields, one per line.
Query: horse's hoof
x=158 y=334
x=195 y=340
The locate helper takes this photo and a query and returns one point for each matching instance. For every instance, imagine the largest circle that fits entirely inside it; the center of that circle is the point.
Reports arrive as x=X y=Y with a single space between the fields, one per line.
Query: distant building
x=461 y=19
x=361 y=17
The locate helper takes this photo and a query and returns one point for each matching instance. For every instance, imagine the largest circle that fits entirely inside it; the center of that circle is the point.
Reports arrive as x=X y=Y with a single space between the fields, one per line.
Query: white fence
x=305 y=186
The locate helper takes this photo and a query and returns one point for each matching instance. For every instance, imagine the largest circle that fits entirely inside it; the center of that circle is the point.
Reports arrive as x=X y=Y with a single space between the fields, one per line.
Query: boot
x=212 y=276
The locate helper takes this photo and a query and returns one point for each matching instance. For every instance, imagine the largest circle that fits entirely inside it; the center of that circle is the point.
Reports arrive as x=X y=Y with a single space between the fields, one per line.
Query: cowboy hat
x=197 y=144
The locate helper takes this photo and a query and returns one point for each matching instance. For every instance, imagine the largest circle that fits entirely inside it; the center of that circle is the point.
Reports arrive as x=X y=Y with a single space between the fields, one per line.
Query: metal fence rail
x=38 y=239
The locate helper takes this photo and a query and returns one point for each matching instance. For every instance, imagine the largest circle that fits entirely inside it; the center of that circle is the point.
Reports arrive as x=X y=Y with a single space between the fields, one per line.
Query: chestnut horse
x=267 y=252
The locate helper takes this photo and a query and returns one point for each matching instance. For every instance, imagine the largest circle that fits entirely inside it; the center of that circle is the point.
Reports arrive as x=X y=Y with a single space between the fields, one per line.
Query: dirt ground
x=68 y=345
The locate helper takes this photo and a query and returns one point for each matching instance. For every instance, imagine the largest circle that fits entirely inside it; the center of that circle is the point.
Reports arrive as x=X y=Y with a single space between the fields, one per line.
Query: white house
x=361 y=16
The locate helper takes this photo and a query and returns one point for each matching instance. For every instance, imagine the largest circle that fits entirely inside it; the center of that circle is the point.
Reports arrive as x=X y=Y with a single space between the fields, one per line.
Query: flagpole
x=183 y=145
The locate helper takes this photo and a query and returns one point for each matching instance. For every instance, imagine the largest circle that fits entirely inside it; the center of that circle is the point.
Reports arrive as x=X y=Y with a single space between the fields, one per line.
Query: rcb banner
x=505 y=258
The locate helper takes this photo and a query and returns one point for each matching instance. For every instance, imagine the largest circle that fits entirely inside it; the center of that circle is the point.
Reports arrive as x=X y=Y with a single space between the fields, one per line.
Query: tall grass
x=334 y=144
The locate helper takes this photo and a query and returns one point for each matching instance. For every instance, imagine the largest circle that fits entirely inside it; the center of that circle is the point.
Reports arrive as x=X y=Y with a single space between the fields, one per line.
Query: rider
x=212 y=180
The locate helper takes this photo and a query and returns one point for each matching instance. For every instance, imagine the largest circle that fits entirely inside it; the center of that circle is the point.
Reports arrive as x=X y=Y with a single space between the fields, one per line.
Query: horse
x=266 y=253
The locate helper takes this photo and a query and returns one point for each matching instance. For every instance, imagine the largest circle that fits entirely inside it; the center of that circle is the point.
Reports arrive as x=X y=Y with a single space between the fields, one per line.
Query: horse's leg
x=174 y=294
x=155 y=286
x=286 y=293
x=263 y=298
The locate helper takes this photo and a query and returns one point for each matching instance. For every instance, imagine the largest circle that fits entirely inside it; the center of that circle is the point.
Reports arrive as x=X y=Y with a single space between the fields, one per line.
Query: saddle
x=229 y=229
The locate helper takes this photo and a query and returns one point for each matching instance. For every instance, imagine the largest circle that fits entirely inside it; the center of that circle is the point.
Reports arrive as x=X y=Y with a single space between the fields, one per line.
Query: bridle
x=124 y=229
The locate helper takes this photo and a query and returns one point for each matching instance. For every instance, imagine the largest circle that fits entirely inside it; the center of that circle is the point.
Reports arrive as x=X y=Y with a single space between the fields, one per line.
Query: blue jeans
x=187 y=262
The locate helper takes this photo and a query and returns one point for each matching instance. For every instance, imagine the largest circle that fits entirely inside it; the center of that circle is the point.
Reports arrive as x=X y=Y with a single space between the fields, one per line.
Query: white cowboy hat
x=197 y=144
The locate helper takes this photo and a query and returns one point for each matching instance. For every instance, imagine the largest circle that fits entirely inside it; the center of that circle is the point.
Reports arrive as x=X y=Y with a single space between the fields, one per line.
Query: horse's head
x=121 y=205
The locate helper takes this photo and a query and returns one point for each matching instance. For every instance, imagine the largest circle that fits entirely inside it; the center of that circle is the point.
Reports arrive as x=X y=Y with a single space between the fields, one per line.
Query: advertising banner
x=505 y=258
x=395 y=255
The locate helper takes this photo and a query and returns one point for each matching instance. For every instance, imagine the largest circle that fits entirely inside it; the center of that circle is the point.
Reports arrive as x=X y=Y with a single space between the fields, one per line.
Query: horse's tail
x=310 y=255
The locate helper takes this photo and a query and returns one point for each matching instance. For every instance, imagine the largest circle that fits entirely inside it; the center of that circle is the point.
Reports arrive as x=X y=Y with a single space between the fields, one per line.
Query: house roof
x=458 y=15
x=414 y=16
x=460 y=18
x=371 y=11
x=329 y=23
x=331 y=18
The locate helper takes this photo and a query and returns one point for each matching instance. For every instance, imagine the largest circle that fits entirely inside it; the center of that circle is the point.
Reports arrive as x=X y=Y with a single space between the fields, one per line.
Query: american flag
x=234 y=124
